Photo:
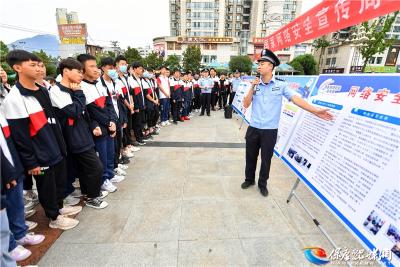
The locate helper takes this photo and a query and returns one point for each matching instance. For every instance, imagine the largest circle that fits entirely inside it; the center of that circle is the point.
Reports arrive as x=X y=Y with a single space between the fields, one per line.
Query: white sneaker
x=63 y=223
x=123 y=167
x=69 y=210
x=31 y=239
x=117 y=179
x=168 y=123
x=31 y=225
x=103 y=194
x=119 y=172
x=108 y=186
x=76 y=184
x=129 y=154
x=135 y=149
x=20 y=253
x=71 y=201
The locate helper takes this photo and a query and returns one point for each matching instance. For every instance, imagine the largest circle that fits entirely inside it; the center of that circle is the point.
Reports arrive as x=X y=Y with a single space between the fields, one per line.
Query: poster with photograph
x=237 y=103
x=352 y=163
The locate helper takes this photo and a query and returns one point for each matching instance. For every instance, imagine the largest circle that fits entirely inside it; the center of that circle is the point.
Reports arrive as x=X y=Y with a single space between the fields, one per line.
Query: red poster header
x=328 y=16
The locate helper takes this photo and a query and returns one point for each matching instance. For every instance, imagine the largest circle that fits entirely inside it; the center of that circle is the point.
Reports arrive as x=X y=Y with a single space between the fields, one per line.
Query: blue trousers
x=6 y=259
x=186 y=108
x=105 y=147
x=165 y=108
x=15 y=213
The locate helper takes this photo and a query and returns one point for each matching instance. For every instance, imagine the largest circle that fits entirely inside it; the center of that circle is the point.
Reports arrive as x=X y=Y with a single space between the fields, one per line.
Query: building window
x=237 y=26
x=246 y=27
x=178 y=46
x=206 y=46
x=333 y=61
x=213 y=58
x=372 y=60
x=239 y=9
x=170 y=45
x=213 y=46
x=238 y=18
x=328 y=62
x=378 y=60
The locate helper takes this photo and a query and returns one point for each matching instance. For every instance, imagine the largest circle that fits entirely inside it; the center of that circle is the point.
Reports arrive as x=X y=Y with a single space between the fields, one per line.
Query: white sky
x=131 y=22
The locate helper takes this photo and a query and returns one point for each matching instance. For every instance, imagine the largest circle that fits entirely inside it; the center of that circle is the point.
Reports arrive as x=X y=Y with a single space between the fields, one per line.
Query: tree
x=48 y=61
x=376 y=41
x=173 y=62
x=3 y=54
x=321 y=44
x=192 y=58
x=240 y=63
x=153 y=61
x=132 y=55
x=297 y=66
x=307 y=62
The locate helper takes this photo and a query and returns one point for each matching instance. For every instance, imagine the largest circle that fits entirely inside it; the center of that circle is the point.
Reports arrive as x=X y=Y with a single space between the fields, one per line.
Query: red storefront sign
x=328 y=16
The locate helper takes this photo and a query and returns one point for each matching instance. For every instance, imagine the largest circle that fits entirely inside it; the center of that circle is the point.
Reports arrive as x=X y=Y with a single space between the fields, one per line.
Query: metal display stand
x=316 y=222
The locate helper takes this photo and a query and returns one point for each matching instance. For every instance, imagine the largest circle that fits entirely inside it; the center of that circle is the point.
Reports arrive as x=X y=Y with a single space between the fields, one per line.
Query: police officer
x=234 y=86
x=266 y=97
x=206 y=84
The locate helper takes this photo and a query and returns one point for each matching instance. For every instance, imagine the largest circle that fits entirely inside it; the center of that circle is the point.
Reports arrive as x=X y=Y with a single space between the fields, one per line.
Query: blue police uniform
x=235 y=86
x=206 y=85
x=264 y=122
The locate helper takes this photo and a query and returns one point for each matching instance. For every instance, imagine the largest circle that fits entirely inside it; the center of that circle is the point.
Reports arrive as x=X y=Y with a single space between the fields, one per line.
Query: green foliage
x=307 y=62
x=240 y=63
x=3 y=53
x=132 y=55
x=297 y=66
x=192 y=58
x=173 y=62
x=375 y=32
x=153 y=61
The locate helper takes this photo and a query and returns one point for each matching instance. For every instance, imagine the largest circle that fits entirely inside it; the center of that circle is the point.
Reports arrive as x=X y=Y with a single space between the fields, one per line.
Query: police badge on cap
x=267 y=55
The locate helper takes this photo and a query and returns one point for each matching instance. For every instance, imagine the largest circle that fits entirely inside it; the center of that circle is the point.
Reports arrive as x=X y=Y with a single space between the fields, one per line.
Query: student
x=70 y=104
x=12 y=170
x=136 y=83
x=206 y=84
x=42 y=78
x=118 y=110
x=164 y=87
x=187 y=96
x=215 y=89
x=123 y=86
x=176 y=87
x=4 y=83
x=223 y=91
x=37 y=136
x=196 y=93
x=102 y=118
x=152 y=102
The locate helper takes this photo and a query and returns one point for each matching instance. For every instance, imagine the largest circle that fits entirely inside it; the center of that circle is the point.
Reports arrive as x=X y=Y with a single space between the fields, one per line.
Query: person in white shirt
x=165 y=94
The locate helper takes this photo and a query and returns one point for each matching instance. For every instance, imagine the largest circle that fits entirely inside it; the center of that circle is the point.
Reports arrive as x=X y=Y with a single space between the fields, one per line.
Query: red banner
x=328 y=16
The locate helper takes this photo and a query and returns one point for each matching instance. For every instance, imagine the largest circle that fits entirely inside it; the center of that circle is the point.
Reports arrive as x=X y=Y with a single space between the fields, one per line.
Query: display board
x=290 y=112
x=242 y=91
x=352 y=163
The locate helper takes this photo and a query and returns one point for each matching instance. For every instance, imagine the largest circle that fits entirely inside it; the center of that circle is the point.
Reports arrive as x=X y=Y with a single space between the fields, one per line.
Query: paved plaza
x=181 y=205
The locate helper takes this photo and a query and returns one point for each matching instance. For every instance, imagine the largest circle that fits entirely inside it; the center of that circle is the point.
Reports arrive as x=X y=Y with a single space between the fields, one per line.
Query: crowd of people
x=75 y=135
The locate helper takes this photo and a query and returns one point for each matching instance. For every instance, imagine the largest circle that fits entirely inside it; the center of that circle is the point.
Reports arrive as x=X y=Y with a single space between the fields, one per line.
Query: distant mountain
x=49 y=43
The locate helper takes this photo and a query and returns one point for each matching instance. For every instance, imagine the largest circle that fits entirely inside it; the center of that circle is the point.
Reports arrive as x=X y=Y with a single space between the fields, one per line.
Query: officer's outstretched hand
x=324 y=114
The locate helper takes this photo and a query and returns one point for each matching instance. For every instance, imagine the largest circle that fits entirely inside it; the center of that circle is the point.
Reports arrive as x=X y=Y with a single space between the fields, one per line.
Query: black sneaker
x=139 y=143
x=264 y=192
x=208 y=115
x=247 y=184
x=96 y=203
x=201 y=114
